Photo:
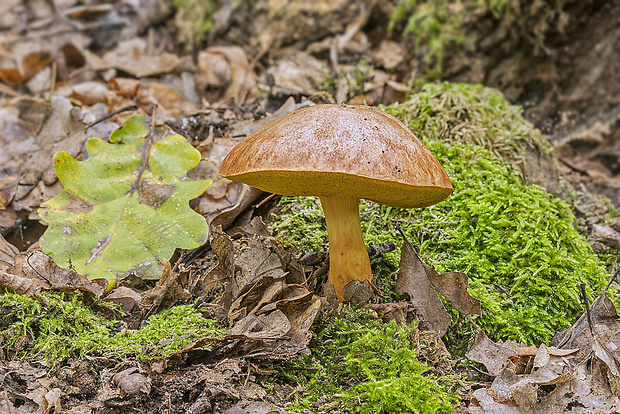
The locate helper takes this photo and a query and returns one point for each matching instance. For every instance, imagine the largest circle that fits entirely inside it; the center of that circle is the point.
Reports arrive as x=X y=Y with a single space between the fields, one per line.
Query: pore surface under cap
x=340 y=150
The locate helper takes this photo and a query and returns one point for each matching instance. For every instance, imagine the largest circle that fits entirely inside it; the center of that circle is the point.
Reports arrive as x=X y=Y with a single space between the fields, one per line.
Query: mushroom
x=341 y=153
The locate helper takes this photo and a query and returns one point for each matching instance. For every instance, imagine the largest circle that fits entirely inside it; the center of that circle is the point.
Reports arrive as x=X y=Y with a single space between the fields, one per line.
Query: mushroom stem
x=348 y=258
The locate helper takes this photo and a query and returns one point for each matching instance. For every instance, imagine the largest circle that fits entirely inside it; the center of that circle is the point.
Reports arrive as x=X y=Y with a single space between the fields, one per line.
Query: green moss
x=433 y=25
x=61 y=324
x=194 y=20
x=471 y=114
x=518 y=244
x=365 y=366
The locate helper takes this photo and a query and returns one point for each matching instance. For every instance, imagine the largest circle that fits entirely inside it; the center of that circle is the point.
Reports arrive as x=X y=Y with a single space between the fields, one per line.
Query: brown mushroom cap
x=340 y=150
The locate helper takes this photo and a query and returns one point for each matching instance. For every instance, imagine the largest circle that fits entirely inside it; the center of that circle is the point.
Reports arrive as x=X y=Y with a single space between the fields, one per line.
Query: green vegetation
x=433 y=26
x=194 y=20
x=57 y=325
x=471 y=114
x=518 y=244
x=365 y=366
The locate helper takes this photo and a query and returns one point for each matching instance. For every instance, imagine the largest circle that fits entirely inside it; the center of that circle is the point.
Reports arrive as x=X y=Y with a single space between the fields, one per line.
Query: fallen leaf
x=246 y=127
x=226 y=74
x=28 y=153
x=33 y=271
x=130 y=56
x=297 y=74
x=579 y=373
x=129 y=200
x=493 y=355
x=413 y=280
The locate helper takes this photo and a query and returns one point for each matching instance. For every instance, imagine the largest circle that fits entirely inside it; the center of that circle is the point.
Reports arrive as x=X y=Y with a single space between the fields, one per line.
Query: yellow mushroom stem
x=348 y=258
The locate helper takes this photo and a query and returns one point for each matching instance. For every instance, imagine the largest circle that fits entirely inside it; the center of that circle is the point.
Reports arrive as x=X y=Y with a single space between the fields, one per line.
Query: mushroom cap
x=340 y=150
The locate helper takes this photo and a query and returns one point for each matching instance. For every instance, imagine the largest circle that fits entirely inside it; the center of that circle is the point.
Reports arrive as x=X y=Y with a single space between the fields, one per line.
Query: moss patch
x=518 y=244
x=475 y=115
x=56 y=325
x=365 y=366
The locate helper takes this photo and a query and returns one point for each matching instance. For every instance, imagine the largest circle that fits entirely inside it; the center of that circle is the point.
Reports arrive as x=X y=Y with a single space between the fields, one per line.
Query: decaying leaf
x=30 y=272
x=32 y=132
x=225 y=71
x=420 y=281
x=125 y=209
x=493 y=355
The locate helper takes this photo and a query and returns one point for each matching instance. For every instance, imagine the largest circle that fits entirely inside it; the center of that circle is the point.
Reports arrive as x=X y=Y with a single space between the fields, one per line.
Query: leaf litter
x=578 y=372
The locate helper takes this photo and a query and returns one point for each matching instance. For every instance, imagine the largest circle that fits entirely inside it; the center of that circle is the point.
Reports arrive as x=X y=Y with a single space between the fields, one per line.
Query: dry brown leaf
x=389 y=54
x=420 y=281
x=28 y=156
x=127 y=298
x=250 y=284
x=298 y=73
x=583 y=369
x=400 y=312
x=226 y=74
x=246 y=127
x=493 y=355
x=453 y=286
x=166 y=292
x=89 y=93
x=33 y=271
x=130 y=56
x=413 y=280
x=127 y=88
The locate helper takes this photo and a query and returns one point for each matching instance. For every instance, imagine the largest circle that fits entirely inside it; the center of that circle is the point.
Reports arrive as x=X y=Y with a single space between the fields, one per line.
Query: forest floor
x=244 y=323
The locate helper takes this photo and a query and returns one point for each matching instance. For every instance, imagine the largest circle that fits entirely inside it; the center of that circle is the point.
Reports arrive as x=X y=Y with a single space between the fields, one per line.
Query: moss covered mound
x=518 y=243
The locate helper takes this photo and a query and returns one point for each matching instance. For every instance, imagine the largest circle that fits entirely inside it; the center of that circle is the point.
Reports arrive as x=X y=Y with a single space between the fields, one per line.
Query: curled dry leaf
x=226 y=74
x=298 y=74
x=31 y=272
x=493 y=355
x=413 y=280
x=131 y=383
x=130 y=56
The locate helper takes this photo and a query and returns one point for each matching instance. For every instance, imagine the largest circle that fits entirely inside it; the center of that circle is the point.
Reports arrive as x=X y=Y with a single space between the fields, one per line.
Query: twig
x=585 y=300
x=602 y=145
x=265 y=200
x=8 y=403
x=88 y=26
x=481 y=371
x=380 y=249
x=76 y=25
x=502 y=289
x=110 y=115
x=302 y=369
x=612 y=280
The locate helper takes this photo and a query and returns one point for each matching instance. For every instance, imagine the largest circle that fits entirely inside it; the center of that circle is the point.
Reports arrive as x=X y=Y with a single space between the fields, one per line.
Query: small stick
x=585 y=300
x=481 y=371
x=612 y=280
x=110 y=115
